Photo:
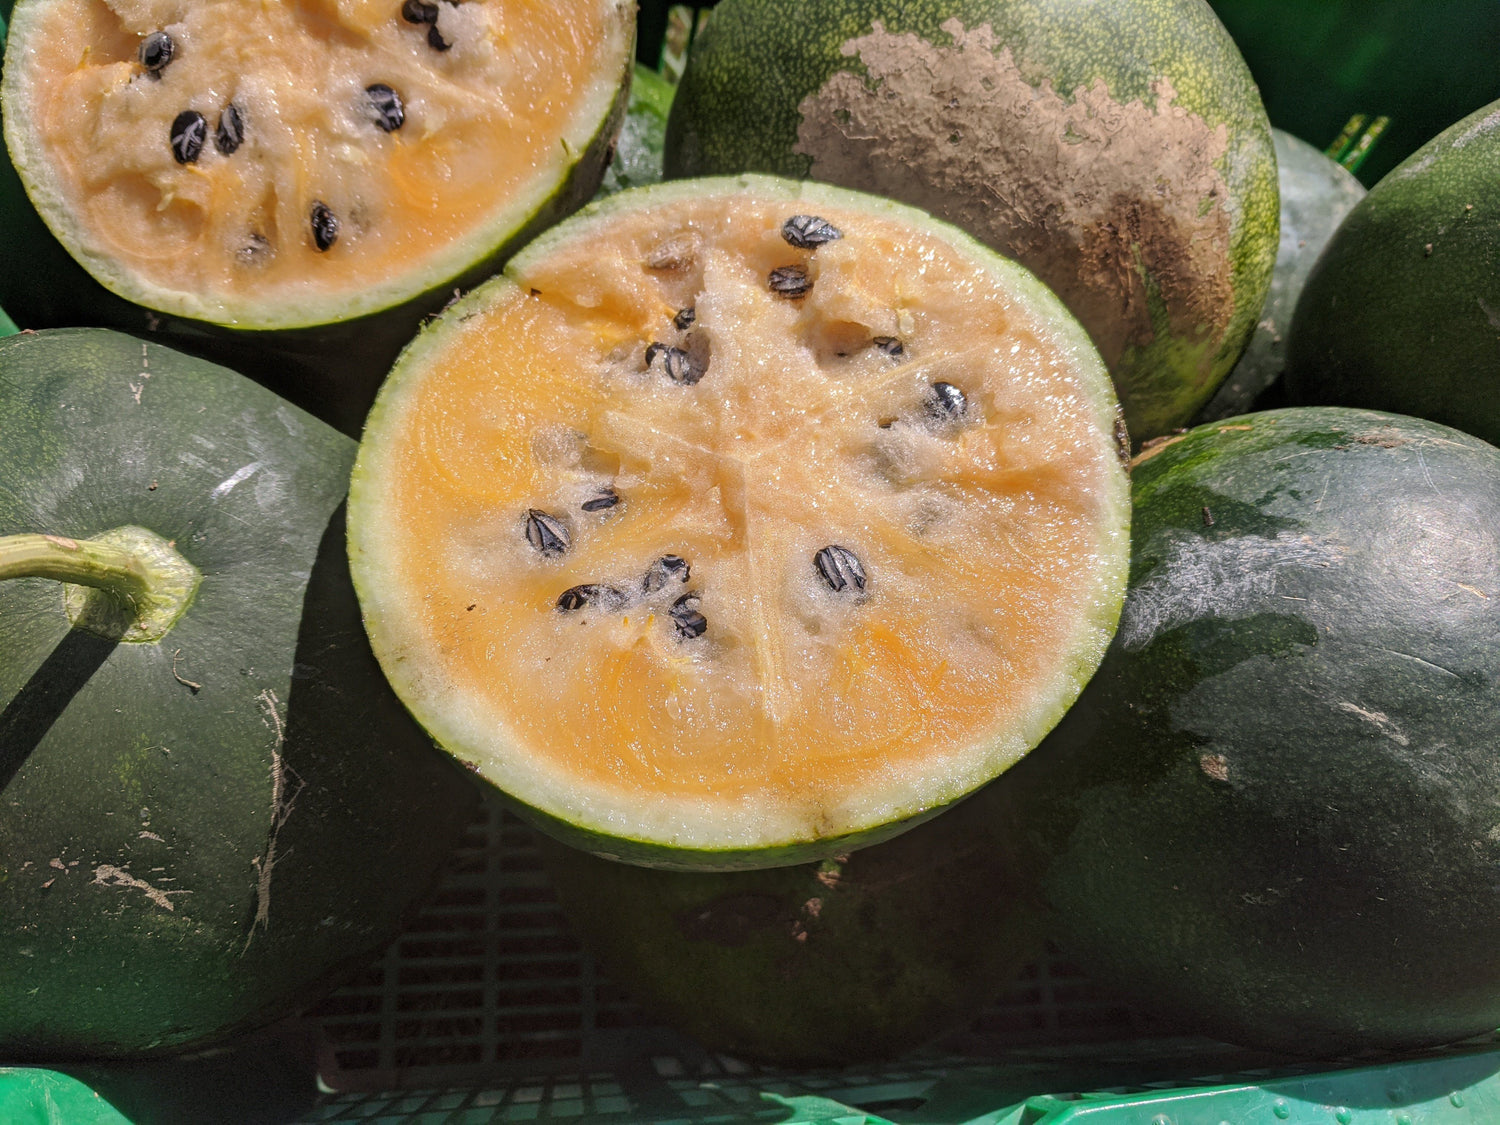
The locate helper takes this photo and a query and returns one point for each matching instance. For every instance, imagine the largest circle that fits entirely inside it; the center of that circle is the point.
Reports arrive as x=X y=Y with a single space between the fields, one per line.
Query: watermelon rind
x=1317 y=193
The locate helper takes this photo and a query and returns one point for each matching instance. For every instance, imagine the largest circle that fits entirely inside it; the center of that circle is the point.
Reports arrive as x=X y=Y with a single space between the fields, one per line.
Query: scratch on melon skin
x=108 y=875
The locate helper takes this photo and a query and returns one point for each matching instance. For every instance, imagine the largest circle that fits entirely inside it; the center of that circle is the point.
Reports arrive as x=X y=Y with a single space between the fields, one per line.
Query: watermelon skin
x=1422 y=63
x=1317 y=192
x=857 y=958
x=330 y=370
x=1170 y=305
x=637 y=158
x=196 y=834
x=1272 y=814
x=1400 y=311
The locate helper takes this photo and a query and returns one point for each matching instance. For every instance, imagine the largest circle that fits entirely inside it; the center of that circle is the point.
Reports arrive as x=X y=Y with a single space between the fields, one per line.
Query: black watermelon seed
x=678 y=364
x=664 y=571
x=840 y=568
x=590 y=593
x=546 y=533
x=325 y=226
x=155 y=52
x=435 y=39
x=415 y=11
x=231 y=131
x=684 y=613
x=390 y=114
x=189 y=131
x=808 y=232
x=685 y=317
x=946 y=402
x=888 y=345
x=790 y=282
x=607 y=498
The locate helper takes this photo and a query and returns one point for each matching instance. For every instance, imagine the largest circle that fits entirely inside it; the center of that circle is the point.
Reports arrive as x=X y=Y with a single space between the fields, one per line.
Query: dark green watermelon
x=1124 y=158
x=1274 y=813
x=1316 y=193
x=859 y=957
x=1402 y=310
x=199 y=831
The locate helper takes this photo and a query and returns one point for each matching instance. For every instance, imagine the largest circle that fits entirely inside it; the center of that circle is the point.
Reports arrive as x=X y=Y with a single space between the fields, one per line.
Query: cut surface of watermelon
x=743 y=520
x=291 y=162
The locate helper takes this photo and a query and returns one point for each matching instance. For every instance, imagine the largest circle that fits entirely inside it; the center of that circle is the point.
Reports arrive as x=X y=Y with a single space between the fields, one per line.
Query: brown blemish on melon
x=1151 y=448
x=1111 y=204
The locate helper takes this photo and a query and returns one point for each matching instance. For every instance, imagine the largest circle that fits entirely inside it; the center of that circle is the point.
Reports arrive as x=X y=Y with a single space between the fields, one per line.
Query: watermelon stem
x=128 y=584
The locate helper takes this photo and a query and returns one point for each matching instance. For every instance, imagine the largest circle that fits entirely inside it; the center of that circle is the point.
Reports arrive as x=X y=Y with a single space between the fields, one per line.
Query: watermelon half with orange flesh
x=743 y=521
x=284 y=166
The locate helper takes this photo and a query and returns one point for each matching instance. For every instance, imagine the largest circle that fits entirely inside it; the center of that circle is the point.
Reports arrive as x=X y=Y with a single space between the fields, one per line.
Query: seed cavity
x=790 y=282
x=155 y=52
x=607 y=498
x=680 y=252
x=386 y=105
x=677 y=364
x=418 y=12
x=256 y=249
x=547 y=534
x=325 y=225
x=684 y=318
x=808 y=232
x=946 y=403
x=841 y=569
x=665 y=571
x=888 y=345
x=684 y=613
x=189 y=131
x=230 y=133
x=575 y=598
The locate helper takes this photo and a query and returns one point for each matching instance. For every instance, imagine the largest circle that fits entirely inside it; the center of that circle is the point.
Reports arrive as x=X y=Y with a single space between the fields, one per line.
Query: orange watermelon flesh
x=490 y=127
x=992 y=543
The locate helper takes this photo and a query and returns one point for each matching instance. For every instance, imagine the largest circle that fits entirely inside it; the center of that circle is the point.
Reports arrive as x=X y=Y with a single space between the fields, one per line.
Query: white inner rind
x=493 y=127
x=469 y=724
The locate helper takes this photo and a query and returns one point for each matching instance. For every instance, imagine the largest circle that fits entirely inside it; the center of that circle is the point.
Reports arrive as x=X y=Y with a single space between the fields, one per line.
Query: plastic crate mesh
x=488 y=982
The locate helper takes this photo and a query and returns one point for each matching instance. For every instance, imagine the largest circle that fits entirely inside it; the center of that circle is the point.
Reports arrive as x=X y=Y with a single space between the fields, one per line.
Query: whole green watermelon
x=1118 y=149
x=859 y=957
x=1402 y=310
x=1274 y=813
x=211 y=804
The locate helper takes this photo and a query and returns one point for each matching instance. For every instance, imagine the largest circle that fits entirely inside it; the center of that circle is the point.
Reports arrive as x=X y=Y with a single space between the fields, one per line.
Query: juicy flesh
x=480 y=118
x=981 y=539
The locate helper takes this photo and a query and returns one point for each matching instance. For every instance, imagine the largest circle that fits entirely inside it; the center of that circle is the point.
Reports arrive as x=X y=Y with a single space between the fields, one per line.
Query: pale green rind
x=583 y=152
x=701 y=836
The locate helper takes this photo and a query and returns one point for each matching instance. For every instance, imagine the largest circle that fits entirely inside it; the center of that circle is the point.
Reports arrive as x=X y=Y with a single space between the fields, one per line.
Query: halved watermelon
x=293 y=163
x=743 y=521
